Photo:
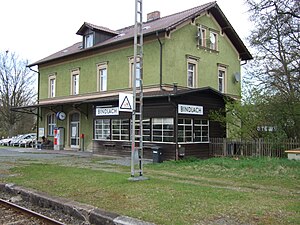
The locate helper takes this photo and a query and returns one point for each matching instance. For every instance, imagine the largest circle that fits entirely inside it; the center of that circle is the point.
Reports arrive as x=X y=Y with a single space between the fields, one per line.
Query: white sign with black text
x=190 y=109
x=112 y=111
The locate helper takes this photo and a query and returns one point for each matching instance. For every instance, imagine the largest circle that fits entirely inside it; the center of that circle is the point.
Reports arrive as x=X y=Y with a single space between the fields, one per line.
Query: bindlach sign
x=112 y=111
x=190 y=109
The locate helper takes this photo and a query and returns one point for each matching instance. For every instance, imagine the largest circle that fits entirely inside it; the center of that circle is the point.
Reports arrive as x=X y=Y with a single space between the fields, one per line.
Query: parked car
x=27 y=140
x=6 y=141
x=15 y=140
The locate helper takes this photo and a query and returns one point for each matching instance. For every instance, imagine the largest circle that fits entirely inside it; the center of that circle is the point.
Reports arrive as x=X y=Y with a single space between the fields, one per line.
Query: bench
x=293 y=154
x=109 y=145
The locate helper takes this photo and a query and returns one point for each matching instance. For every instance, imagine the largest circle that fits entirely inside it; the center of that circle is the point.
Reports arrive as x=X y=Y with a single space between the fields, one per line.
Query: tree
x=275 y=70
x=16 y=89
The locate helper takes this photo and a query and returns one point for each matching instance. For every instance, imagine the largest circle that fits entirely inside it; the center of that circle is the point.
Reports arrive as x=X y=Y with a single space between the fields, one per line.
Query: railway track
x=13 y=214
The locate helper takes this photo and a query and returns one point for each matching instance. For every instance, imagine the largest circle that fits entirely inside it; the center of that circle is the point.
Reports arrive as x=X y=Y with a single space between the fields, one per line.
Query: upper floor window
x=192 y=71
x=51 y=86
x=102 y=77
x=88 y=40
x=75 y=82
x=138 y=73
x=201 y=36
x=213 y=40
x=221 y=79
x=51 y=124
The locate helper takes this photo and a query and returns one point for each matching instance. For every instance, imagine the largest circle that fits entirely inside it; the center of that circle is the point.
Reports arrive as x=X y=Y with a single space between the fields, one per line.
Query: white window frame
x=213 y=46
x=160 y=128
x=88 y=40
x=120 y=129
x=222 y=70
x=201 y=127
x=52 y=86
x=102 y=129
x=183 y=128
x=194 y=72
x=131 y=68
x=102 y=78
x=75 y=74
x=51 y=124
x=201 y=36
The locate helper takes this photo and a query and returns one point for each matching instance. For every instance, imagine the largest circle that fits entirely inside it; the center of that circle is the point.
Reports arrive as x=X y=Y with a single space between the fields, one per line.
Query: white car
x=27 y=140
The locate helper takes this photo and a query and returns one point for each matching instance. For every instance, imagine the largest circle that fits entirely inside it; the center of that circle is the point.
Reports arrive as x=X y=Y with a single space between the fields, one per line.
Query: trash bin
x=156 y=154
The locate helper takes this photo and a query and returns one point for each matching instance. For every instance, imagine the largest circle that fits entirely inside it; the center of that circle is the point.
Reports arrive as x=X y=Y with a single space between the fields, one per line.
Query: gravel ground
x=54 y=214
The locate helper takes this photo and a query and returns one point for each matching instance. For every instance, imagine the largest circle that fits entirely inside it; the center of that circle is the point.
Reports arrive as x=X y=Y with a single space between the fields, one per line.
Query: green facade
x=177 y=46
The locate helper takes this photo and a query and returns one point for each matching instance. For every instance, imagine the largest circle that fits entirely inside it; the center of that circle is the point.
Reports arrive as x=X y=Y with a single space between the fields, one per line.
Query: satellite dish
x=212 y=38
x=237 y=77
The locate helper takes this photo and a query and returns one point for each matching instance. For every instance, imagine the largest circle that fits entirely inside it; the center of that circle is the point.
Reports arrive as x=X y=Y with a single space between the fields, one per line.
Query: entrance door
x=74 y=130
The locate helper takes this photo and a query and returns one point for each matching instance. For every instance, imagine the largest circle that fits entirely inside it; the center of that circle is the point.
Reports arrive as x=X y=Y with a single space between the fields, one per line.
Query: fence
x=259 y=147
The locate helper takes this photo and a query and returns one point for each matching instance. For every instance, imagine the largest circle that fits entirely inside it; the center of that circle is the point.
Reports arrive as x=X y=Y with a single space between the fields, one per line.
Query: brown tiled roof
x=163 y=24
x=95 y=27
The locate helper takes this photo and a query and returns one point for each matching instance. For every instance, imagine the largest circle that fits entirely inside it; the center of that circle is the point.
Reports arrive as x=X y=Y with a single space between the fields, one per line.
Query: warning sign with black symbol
x=125 y=102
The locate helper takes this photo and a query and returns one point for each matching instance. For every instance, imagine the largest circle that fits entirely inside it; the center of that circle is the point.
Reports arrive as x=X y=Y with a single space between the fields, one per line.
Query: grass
x=245 y=190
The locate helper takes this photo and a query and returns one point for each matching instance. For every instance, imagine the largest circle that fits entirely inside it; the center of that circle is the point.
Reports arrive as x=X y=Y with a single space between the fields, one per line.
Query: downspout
x=38 y=108
x=160 y=60
x=244 y=63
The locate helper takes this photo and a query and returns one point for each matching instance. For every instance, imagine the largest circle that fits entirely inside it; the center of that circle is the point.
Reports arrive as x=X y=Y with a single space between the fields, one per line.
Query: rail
x=30 y=213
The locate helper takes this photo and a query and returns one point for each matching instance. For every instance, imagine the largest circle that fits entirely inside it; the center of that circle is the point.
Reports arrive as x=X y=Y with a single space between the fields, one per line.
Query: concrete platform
x=86 y=213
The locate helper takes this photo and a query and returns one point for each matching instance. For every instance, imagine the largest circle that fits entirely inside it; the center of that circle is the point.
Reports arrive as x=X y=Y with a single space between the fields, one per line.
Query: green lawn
x=239 y=191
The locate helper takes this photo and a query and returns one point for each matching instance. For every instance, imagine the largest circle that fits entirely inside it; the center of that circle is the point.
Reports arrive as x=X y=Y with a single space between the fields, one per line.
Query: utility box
x=59 y=138
x=157 y=154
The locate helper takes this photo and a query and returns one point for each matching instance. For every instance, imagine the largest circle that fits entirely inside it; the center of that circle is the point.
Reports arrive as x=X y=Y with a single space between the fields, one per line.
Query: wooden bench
x=109 y=145
x=293 y=154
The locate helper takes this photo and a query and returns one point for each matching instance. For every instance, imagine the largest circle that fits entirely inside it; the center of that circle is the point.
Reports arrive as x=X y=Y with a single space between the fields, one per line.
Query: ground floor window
x=163 y=129
x=154 y=129
x=120 y=129
x=193 y=130
x=51 y=124
x=102 y=129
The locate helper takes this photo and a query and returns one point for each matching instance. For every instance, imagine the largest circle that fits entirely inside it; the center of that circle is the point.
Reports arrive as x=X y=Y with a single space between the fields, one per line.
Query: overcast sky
x=35 y=29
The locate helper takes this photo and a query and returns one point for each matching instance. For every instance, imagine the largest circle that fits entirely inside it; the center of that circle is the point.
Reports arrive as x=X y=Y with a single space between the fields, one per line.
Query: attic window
x=88 y=40
x=120 y=35
x=146 y=27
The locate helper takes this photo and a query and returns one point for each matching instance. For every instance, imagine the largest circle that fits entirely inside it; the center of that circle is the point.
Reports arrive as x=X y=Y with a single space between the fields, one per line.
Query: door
x=74 y=130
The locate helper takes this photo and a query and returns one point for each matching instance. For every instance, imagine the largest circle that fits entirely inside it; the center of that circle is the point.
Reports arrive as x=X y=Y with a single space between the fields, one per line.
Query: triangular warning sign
x=126 y=104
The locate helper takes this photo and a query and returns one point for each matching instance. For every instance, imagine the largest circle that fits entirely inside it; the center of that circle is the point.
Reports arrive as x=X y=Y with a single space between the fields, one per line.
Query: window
x=193 y=130
x=163 y=129
x=192 y=68
x=88 y=40
x=75 y=82
x=201 y=36
x=201 y=130
x=102 y=129
x=146 y=129
x=120 y=129
x=51 y=86
x=185 y=130
x=138 y=73
x=102 y=77
x=213 y=40
x=51 y=124
x=221 y=78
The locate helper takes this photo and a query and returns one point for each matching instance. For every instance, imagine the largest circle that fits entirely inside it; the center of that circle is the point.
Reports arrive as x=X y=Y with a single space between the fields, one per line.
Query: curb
x=84 y=212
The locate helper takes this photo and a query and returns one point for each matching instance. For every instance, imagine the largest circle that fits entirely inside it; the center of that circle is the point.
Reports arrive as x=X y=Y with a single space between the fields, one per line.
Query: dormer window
x=88 y=40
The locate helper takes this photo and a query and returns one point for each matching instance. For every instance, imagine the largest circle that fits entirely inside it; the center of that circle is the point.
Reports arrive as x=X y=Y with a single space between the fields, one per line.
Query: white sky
x=35 y=29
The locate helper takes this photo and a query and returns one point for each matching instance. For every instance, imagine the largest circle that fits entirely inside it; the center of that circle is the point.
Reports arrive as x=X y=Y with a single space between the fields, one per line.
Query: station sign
x=107 y=111
x=190 y=109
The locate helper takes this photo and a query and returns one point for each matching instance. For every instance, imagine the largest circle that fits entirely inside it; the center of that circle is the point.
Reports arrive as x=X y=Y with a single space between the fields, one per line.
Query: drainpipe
x=244 y=63
x=160 y=60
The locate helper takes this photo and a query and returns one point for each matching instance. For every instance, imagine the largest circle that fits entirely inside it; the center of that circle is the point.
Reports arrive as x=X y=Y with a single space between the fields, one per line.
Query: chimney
x=153 y=16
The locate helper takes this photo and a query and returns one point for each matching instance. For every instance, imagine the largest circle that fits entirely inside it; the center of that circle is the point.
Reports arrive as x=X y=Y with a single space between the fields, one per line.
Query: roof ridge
x=202 y=6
